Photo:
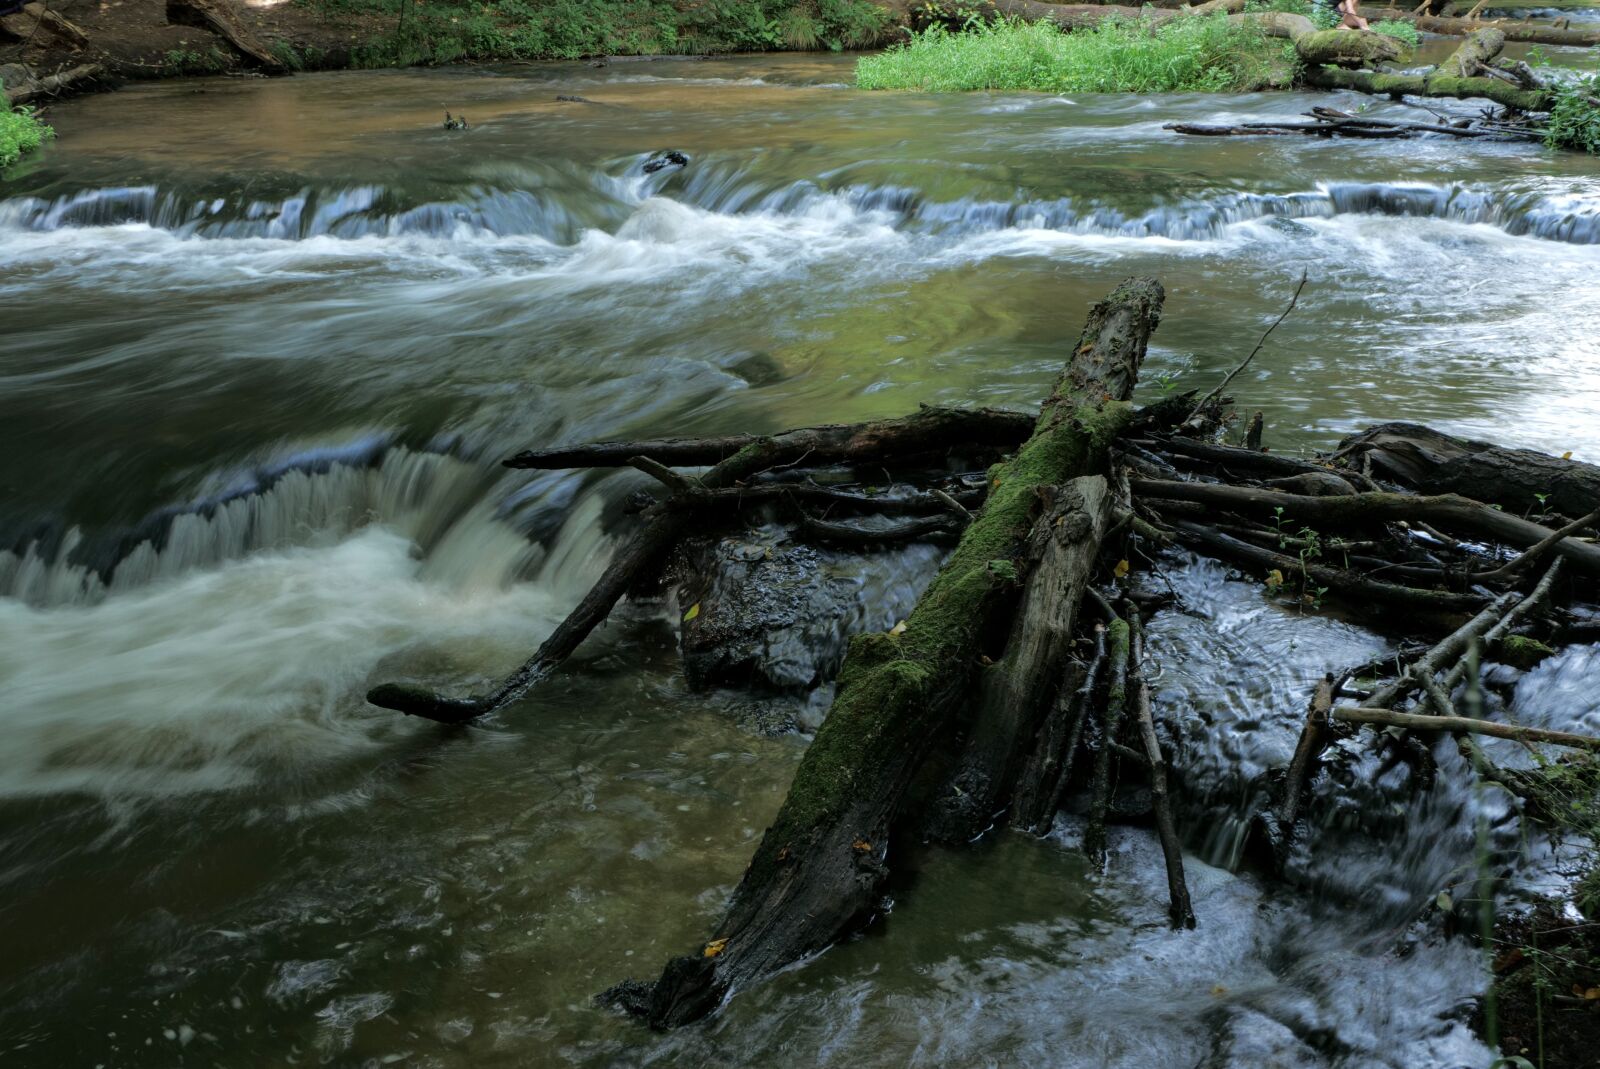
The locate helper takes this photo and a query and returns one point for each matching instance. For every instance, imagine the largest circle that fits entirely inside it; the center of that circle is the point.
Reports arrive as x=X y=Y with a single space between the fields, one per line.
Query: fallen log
x=214 y=15
x=1475 y=53
x=1302 y=766
x=1038 y=791
x=55 y=84
x=938 y=430
x=816 y=871
x=661 y=526
x=1433 y=462
x=1423 y=722
x=1012 y=691
x=1514 y=29
x=1444 y=509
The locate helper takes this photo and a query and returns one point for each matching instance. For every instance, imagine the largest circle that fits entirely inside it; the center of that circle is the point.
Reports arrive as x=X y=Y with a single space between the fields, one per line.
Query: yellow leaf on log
x=694 y=610
x=1121 y=569
x=715 y=947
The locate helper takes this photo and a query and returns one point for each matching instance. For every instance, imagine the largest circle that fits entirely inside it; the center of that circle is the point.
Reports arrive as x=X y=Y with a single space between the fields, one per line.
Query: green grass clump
x=442 y=31
x=20 y=131
x=1195 y=54
x=1403 y=32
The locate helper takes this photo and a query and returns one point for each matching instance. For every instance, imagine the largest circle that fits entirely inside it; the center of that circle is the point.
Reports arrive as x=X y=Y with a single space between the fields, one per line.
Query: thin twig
x=1204 y=401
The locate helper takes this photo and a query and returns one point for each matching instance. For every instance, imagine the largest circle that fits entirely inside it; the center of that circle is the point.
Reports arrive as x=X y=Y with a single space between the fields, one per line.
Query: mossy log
x=1428 y=85
x=1012 y=692
x=1515 y=29
x=817 y=870
x=1345 y=49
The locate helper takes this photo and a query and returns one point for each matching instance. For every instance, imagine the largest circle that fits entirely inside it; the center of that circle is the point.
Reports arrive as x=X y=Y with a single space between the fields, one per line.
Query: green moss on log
x=1437 y=85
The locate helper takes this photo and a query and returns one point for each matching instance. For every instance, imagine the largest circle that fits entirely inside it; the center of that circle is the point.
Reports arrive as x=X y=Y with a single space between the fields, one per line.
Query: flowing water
x=262 y=345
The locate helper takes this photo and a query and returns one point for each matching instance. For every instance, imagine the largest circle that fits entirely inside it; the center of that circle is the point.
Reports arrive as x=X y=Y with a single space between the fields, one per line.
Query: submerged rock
x=762 y=611
x=662 y=160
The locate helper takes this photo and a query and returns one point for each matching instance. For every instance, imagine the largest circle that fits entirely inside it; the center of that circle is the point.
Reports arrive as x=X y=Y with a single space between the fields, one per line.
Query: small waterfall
x=436 y=501
x=562 y=215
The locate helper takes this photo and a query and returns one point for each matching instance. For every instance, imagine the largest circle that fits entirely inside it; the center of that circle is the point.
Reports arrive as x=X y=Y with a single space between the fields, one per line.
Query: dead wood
x=1423 y=722
x=1180 y=910
x=215 y=15
x=1446 y=510
x=939 y=430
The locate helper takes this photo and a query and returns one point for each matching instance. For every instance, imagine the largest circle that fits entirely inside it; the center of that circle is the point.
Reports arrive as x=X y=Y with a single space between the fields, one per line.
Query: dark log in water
x=1432 y=462
x=816 y=872
x=935 y=430
x=1110 y=722
x=1180 y=911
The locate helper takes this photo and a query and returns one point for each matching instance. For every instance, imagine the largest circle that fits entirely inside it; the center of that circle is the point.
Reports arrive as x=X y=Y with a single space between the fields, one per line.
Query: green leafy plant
x=20 y=131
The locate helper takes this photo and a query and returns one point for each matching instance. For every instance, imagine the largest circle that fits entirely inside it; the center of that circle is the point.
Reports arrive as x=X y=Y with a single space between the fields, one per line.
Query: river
x=263 y=344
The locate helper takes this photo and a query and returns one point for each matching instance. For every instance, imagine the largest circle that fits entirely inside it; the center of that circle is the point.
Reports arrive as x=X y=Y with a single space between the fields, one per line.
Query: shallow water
x=265 y=343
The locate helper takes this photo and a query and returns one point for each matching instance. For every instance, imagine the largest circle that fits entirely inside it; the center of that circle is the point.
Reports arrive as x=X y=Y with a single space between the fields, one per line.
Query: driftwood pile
x=1019 y=678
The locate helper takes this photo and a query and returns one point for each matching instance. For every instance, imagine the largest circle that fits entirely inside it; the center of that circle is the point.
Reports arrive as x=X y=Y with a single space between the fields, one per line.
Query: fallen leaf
x=1274 y=579
x=694 y=610
x=1444 y=901
x=715 y=947
x=1218 y=989
x=862 y=845
x=783 y=854
x=898 y=629
x=1567 y=455
x=1121 y=569
x=1085 y=347
x=984 y=658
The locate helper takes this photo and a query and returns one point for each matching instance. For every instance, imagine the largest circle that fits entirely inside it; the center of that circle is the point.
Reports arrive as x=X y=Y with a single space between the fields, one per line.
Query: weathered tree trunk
x=1011 y=691
x=1432 y=462
x=54 y=84
x=1514 y=29
x=215 y=16
x=818 y=867
x=1475 y=52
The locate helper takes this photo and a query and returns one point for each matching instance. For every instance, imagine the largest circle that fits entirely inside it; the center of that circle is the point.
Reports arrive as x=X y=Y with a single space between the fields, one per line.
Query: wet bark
x=1180 y=911
x=1432 y=462
x=816 y=872
x=1429 y=85
x=935 y=430
x=1063 y=548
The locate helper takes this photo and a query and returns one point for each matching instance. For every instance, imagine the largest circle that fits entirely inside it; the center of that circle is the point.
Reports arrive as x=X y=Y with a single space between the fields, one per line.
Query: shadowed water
x=265 y=343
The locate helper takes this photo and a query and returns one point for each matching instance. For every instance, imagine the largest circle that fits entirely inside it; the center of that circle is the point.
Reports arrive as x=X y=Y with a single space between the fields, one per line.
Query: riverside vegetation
x=20 y=131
